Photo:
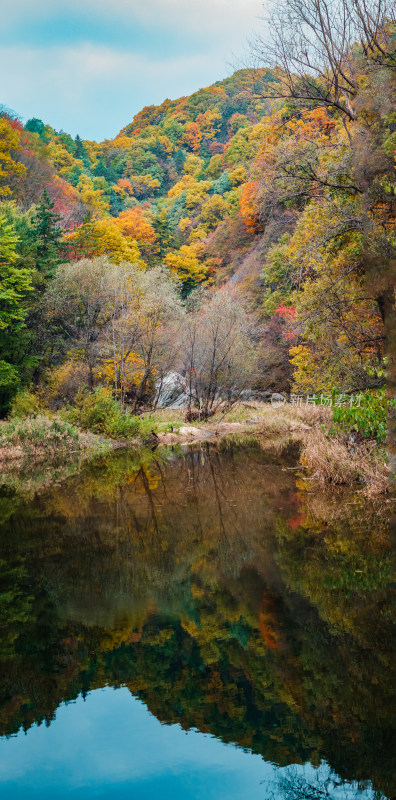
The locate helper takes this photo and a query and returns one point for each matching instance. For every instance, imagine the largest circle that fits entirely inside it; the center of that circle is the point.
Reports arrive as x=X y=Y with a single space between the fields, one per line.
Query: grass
x=98 y=412
x=41 y=437
x=329 y=458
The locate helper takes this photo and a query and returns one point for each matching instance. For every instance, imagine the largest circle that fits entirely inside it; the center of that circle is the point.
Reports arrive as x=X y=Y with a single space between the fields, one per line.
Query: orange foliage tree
x=134 y=224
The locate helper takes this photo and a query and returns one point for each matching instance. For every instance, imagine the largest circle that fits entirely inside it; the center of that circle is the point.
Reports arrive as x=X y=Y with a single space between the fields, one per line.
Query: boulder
x=171 y=391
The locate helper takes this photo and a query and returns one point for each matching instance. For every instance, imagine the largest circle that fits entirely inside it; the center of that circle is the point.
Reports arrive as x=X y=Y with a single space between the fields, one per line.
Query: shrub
x=64 y=382
x=100 y=413
x=24 y=404
x=369 y=418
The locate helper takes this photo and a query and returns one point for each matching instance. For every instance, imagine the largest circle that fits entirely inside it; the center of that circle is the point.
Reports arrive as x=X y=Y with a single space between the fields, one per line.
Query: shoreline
x=327 y=460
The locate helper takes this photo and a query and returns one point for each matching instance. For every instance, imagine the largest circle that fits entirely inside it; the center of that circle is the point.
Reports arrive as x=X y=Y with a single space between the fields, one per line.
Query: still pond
x=194 y=624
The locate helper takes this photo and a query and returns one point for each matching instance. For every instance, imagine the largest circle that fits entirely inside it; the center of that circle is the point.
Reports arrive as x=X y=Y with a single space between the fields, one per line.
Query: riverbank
x=327 y=458
x=330 y=458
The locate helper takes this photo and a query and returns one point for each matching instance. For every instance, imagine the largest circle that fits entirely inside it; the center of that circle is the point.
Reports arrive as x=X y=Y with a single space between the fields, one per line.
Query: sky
x=87 y=66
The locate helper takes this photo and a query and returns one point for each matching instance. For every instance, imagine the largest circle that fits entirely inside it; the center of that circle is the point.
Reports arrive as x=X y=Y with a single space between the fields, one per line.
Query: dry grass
x=259 y=413
x=40 y=438
x=289 y=418
x=329 y=460
x=333 y=460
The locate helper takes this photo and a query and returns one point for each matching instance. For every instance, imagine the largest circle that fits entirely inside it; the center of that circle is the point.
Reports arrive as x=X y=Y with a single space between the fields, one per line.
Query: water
x=194 y=625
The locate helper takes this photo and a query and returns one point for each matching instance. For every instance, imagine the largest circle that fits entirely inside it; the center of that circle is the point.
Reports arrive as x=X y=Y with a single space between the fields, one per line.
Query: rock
x=225 y=427
x=278 y=400
x=255 y=395
x=172 y=391
x=168 y=438
x=196 y=433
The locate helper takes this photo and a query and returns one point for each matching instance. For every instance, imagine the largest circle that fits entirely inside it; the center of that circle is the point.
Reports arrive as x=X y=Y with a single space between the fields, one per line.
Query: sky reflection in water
x=226 y=601
x=111 y=746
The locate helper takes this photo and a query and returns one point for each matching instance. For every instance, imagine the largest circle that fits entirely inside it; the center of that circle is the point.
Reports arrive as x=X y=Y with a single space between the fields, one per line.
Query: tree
x=15 y=285
x=310 y=44
x=119 y=320
x=193 y=136
x=102 y=237
x=213 y=210
x=79 y=302
x=9 y=145
x=93 y=197
x=133 y=223
x=219 y=357
x=79 y=151
x=160 y=329
x=14 y=282
x=36 y=125
x=48 y=236
x=186 y=264
x=163 y=232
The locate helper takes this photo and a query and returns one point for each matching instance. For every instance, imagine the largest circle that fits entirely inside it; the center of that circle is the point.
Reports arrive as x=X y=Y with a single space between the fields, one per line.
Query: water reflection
x=222 y=595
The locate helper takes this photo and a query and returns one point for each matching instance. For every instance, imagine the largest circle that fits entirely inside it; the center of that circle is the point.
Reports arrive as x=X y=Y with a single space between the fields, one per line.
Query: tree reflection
x=294 y=783
x=221 y=594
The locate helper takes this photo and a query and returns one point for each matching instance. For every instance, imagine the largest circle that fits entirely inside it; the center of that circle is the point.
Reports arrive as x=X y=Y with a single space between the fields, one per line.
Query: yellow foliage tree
x=93 y=198
x=192 y=165
x=131 y=367
x=213 y=210
x=133 y=223
x=210 y=123
x=103 y=237
x=9 y=143
x=187 y=266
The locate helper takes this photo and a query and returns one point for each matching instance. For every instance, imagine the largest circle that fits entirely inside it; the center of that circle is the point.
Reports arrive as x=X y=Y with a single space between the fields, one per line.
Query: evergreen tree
x=179 y=159
x=48 y=236
x=35 y=125
x=15 y=285
x=163 y=232
x=79 y=151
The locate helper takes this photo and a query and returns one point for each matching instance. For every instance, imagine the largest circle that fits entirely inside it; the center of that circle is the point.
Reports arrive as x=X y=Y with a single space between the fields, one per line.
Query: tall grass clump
x=38 y=437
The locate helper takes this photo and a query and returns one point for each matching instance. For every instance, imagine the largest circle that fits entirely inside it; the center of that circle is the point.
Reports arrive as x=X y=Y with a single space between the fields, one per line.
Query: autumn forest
x=197 y=410
x=263 y=205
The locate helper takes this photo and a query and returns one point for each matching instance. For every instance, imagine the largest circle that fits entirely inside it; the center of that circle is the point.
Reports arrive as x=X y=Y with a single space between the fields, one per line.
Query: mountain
x=286 y=201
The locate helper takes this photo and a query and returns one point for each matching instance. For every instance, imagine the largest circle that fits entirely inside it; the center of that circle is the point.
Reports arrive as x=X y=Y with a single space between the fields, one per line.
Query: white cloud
x=95 y=91
x=199 y=16
x=206 y=16
x=94 y=87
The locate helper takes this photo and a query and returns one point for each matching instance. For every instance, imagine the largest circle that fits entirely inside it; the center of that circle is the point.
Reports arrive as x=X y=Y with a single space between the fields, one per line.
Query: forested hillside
x=271 y=192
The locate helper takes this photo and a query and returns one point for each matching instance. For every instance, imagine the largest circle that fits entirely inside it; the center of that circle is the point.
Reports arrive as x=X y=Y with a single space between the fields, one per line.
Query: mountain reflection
x=221 y=593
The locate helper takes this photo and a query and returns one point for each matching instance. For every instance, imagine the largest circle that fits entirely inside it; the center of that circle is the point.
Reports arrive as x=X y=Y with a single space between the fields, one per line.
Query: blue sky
x=87 y=66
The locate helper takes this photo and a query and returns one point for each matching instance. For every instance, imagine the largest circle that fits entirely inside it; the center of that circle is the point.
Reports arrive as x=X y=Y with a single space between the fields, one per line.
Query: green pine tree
x=48 y=236
x=164 y=233
x=15 y=286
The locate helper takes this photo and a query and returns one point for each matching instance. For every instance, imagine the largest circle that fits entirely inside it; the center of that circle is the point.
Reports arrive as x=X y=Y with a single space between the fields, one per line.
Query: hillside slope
x=287 y=202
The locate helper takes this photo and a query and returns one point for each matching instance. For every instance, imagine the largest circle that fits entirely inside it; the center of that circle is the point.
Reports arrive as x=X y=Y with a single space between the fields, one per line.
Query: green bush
x=100 y=413
x=369 y=418
x=24 y=404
